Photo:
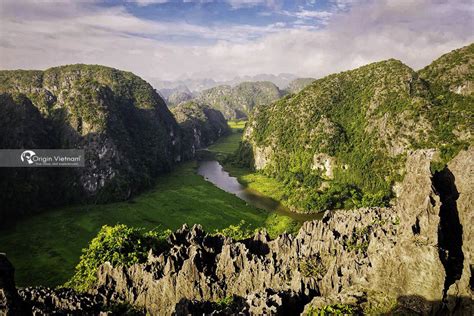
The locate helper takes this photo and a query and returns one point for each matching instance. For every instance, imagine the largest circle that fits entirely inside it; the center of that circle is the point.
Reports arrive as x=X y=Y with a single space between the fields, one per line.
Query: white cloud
x=415 y=32
x=233 y=3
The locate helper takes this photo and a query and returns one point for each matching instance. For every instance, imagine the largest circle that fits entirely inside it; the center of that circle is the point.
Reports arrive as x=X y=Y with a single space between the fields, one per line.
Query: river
x=213 y=172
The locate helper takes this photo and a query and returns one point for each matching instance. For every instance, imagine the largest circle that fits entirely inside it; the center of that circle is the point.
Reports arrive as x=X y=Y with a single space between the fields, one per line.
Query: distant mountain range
x=166 y=88
x=235 y=101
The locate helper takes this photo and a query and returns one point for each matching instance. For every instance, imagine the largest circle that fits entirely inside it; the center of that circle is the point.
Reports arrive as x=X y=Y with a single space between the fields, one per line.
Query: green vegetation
x=298 y=84
x=313 y=268
x=53 y=240
x=342 y=141
x=236 y=232
x=128 y=134
x=225 y=149
x=335 y=309
x=237 y=102
x=121 y=246
x=453 y=71
x=227 y=146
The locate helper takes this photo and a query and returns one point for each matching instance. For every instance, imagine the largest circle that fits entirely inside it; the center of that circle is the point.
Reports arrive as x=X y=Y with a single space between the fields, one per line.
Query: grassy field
x=46 y=247
x=228 y=145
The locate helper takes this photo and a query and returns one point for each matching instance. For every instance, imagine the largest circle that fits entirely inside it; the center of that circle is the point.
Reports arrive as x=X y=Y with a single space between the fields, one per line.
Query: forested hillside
x=237 y=102
x=128 y=134
x=341 y=142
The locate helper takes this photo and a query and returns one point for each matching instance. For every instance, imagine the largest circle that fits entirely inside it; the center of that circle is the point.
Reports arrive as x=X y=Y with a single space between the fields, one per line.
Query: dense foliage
x=335 y=309
x=343 y=140
x=237 y=232
x=124 y=126
x=237 y=102
x=121 y=246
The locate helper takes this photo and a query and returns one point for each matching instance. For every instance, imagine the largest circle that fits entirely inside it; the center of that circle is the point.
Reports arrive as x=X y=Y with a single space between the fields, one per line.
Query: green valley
x=53 y=240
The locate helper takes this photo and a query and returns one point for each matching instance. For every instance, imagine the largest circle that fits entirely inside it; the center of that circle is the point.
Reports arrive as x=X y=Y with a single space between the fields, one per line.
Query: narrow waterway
x=213 y=172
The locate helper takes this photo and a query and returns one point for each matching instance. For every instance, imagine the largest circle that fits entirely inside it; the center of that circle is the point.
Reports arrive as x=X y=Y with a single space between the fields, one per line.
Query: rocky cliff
x=341 y=142
x=376 y=259
x=368 y=260
x=200 y=124
x=238 y=101
x=128 y=134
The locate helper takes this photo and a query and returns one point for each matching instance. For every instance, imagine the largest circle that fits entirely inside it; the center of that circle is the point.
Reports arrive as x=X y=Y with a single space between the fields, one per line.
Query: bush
x=237 y=232
x=335 y=309
x=119 y=245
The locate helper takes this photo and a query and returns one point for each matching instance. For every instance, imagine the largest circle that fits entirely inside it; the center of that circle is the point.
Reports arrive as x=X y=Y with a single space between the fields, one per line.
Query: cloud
x=416 y=32
x=236 y=4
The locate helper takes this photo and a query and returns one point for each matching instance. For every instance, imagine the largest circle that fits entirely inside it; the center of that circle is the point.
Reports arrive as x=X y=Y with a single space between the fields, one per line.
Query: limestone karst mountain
x=128 y=134
x=367 y=261
x=200 y=124
x=178 y=97
x=453 y=71
x=238 y=101
x=342 y=140
x=390 y=145
x=298 y=84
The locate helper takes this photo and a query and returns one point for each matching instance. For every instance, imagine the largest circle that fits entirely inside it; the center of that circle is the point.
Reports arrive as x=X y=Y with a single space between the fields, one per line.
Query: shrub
x=119 y=245
x=312 y=267
x=335 y=309
x=237 y=232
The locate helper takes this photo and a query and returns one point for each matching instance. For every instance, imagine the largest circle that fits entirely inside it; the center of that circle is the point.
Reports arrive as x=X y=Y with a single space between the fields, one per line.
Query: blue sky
x=258 y=13
x=221 y=39
x=266 y=16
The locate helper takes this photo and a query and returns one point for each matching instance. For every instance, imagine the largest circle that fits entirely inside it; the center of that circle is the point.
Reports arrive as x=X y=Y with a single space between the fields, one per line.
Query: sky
x=222 y=39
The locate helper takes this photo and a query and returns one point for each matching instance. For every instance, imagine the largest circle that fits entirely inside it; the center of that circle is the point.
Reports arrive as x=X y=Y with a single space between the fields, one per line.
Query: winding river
x=213 y=172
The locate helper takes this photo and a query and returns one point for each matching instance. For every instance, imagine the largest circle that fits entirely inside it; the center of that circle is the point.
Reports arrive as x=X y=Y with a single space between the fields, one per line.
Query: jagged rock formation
x=237 y=102
x=10 y=302
x=43 y=301
x=128 y=133
x=201 y=125
x=380 y=259
x=345 y=137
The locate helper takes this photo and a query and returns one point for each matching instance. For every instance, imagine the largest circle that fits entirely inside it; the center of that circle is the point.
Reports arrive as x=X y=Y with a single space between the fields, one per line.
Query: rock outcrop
x=43 y=301
x=10 y=302
x=379 y=259
x=373 y=260
x=366 y=121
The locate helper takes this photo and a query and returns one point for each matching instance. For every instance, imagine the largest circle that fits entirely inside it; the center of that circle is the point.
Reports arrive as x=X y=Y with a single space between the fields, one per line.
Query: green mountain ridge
x=201 y=125
x=298 y=84
x=341 y=142
x=127 y=131
x=237 y=102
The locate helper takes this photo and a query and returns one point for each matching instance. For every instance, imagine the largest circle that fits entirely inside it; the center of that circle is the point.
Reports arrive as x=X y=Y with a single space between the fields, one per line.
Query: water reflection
x=213 y=172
